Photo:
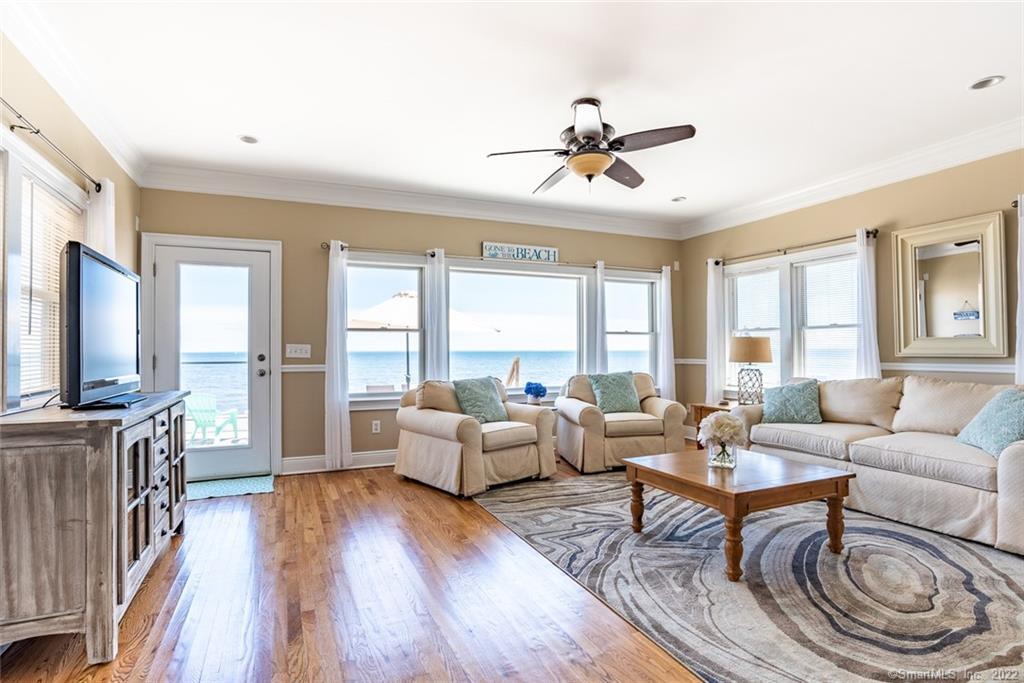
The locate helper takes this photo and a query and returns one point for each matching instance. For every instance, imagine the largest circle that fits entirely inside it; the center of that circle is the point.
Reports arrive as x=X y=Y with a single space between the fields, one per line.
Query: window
x=629 y=321
x=806 y=303
x=516 y=327
x=754 y=303
x=48 y=222
x=827 y=319
x=384 y=328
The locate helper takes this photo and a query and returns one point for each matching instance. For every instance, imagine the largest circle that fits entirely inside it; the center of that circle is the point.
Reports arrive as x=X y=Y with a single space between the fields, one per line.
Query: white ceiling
x=786 y=98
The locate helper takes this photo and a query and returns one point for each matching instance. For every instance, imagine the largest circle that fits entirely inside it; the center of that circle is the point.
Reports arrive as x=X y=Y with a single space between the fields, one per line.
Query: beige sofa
x=899 y=436
x=440 y=446
x=594 y=442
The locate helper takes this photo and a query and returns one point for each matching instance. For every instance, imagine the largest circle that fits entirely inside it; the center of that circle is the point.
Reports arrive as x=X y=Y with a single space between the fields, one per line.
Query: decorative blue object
x=1000 y=423
x=535 y=389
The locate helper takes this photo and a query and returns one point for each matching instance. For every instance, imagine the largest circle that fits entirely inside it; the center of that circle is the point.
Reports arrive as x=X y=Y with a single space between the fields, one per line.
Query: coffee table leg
x=835 y=524
x=636 y=506
x=733 y=547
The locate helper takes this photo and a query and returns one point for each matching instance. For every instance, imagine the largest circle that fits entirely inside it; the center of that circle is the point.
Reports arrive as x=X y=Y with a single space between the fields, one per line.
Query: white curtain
x=868 y=362
x=1019 y=353
x=337 y=422
x=666 y=346
x=435 y=316
x=600 y=323
x=714 y=378
x=101 y=225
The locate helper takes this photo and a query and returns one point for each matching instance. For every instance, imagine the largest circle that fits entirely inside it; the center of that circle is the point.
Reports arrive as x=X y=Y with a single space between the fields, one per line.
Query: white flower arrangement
x=722 y=428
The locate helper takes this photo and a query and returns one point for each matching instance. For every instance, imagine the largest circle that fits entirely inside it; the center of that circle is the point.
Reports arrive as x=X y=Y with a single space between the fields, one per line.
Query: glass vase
x=720 y=455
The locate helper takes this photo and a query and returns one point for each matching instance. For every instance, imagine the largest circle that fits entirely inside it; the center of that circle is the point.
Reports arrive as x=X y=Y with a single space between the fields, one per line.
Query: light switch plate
x=375 y=427
x=297 y=350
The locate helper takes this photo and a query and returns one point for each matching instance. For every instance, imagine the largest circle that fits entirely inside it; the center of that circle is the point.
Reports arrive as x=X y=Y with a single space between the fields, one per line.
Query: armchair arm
x=440 y=424
x=748 y=415
x=1009 y=512
x=665 y=409
x=522 y=412
x=580 y=412
x=544 y=420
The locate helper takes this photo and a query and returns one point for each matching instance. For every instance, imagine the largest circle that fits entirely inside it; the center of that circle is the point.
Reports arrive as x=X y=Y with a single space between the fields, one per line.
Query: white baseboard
x=305 y=464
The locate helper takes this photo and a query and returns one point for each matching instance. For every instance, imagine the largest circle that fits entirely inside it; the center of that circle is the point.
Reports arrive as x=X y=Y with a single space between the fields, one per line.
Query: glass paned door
x=212 y=316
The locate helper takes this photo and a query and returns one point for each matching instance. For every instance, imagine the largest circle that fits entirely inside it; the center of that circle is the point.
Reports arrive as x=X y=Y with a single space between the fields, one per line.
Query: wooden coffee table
x=759 y=482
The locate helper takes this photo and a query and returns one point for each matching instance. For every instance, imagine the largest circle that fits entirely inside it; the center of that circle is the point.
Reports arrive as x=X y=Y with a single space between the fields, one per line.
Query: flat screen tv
x=99 y=310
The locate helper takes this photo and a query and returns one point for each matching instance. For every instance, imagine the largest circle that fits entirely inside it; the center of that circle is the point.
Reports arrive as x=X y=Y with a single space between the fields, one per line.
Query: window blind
x=48 y=222
x=829 y=319
x=755 y=306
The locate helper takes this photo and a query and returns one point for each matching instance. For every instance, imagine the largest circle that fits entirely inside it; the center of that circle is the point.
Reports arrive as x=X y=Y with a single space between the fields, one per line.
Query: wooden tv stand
x=88 y=502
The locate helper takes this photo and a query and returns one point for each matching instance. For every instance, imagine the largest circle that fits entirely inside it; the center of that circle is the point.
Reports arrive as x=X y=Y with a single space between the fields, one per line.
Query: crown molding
x=979 y=144
x=28 y=31
x=204 y=181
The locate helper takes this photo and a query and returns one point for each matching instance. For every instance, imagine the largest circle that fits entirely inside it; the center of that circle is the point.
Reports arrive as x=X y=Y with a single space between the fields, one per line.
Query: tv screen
x=100 y=306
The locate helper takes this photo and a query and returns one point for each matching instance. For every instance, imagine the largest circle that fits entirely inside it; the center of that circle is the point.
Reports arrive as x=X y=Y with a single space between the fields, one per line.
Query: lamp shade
x=750 y=350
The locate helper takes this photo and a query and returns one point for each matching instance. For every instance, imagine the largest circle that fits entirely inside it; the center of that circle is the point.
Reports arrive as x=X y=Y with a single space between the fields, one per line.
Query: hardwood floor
x=355 y=575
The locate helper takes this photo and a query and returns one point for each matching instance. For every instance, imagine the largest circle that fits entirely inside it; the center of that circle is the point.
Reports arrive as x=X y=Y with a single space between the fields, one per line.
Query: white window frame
x=20 y=160
x=585 y=348
x=651 y=280
x=367 y=259
x=790 y=361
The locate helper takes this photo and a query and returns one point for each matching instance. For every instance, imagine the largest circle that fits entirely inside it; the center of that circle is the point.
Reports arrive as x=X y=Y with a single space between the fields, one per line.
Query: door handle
x=261 y=372
x=261 y=357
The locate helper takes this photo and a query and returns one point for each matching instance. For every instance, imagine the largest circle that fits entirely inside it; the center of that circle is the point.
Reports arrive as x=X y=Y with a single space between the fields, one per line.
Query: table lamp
x=750 y=350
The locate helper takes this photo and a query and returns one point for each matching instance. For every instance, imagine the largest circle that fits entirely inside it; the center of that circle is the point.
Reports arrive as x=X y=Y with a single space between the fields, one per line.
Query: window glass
x=384 y=332
x=755 y=313
x=630 y=325
x=518 y=328
x=828 y=330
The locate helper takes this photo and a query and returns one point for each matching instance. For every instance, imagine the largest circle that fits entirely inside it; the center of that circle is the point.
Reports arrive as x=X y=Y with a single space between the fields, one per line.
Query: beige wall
x=974 y=188
x=302 y=227
x=25 y=89
x=951 y=280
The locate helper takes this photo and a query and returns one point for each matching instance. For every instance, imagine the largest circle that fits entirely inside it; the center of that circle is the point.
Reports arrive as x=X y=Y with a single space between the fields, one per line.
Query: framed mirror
x=951 y=288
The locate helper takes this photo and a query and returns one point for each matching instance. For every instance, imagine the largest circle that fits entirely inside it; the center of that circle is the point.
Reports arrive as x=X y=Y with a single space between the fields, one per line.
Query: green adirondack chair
x=202 y=408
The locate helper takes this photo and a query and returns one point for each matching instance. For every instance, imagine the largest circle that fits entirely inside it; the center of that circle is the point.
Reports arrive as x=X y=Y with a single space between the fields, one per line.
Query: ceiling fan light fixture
x=589 y=164
x=987 y=82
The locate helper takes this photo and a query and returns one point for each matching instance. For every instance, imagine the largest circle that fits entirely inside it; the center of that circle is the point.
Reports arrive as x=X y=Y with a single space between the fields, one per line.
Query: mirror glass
x=949 y=289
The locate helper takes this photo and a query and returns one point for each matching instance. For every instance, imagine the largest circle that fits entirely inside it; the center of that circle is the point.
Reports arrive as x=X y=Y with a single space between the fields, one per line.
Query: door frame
x=147 y=264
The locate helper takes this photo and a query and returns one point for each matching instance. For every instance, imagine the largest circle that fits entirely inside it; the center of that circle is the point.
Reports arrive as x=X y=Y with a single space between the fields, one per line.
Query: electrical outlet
x=675 y=265
x=375 y=427
x=297 y=350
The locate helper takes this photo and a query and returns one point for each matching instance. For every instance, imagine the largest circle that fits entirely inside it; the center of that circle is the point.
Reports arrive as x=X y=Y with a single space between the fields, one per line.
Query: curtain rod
x=327 y=246
x=786 y=250
x=33 y=130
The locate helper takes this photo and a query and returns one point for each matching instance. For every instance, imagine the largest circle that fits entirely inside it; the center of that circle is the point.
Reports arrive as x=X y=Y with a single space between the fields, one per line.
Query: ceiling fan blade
x=651 y=138
x=556 y=152
x=552 y=179
x=624 y=174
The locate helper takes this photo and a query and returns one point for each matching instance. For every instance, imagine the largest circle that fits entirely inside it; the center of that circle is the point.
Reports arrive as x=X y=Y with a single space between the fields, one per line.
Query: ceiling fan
x=591 y=148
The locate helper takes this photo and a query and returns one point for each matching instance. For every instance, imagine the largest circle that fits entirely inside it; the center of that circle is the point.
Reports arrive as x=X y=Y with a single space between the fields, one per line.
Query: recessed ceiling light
x=987 y=82
x=679 y=199
x=248 y=139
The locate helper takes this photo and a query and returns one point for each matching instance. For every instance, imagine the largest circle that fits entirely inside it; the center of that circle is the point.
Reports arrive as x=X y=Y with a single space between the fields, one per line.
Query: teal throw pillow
x=1000 y=423
x=615 y=392
x=792 y=403
x=479 y=399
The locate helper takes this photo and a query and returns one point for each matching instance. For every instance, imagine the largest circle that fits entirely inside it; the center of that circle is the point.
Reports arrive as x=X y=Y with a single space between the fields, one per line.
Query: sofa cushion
x=479 y=398
x=632 y=424
x=828 y=439
x=505 y=434
x=936 y=405
x=929 y=455
x=437 y=395
x=616 y=392
x=1000 y=423
x=861 y=401
x=792 y=403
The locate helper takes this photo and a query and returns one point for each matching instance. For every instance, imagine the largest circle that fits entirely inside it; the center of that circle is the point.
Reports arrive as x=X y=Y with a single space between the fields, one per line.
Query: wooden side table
x=702 y=410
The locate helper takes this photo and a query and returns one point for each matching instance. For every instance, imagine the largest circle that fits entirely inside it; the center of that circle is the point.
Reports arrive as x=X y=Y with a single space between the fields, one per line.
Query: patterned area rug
x=897 y=602
x=240 y=486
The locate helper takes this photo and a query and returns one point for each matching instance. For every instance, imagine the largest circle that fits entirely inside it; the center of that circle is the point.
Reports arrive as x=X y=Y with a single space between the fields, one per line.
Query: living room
x=653 y=341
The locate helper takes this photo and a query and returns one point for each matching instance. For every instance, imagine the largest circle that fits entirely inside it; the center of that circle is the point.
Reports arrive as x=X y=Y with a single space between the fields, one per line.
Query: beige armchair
x=440 y=446
x=594 y=442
